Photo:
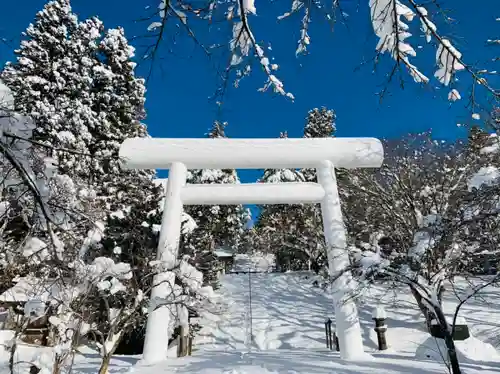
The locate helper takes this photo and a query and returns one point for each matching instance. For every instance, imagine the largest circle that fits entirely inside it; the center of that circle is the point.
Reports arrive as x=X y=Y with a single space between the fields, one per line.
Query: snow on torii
x=323 y=154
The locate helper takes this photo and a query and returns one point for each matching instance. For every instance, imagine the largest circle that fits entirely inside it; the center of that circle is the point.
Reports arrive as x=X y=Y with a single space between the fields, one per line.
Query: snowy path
x=287 y=313
x=288 y=334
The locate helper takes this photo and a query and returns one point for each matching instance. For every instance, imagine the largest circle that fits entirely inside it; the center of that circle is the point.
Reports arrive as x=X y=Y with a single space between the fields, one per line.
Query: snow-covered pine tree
x=218 y=226
x=51 y=84
x=82 y=92
x=277 y=225
x=130 y=199
x=320 y=123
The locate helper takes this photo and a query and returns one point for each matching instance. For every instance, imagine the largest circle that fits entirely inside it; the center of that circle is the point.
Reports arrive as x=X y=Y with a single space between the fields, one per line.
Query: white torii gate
x=323 y=154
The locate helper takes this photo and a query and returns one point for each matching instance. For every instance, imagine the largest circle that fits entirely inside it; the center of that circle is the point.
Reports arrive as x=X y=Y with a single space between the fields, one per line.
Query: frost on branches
x=70 y=215
x=25 y=199
x=419 y=221
x=429 y=215
x=393 y=32
x=392 y=21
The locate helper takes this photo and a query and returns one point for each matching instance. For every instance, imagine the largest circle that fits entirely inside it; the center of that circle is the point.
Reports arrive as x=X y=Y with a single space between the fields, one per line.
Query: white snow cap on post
x=379 y=312
x=222 y=153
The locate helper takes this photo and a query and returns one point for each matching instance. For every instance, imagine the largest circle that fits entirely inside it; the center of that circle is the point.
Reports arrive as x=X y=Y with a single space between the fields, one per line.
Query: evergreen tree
x=51 y=84
x=277 y=224
x=217 y=226
x=81 y=90
x=129 y=199
x=295 y=232
x=320 y=123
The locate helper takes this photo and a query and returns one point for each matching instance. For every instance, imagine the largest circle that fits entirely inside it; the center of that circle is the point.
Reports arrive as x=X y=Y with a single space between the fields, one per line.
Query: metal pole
x=250 y=305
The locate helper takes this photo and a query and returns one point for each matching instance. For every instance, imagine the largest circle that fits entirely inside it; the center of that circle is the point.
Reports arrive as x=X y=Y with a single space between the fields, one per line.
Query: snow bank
x=259 y=262
x=487 y=175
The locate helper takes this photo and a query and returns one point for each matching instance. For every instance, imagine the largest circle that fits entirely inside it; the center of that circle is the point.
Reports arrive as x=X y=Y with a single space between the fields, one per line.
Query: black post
x=190 y=345
x=380 y=329
x=250 y=305
x=331 y=336
x=328 y=325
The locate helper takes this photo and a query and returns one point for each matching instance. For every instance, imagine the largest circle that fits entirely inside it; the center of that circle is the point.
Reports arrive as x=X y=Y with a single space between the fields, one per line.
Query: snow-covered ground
x=288 y=315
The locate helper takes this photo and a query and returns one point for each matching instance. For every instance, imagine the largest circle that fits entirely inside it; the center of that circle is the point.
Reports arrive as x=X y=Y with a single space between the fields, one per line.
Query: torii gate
x=323 y=154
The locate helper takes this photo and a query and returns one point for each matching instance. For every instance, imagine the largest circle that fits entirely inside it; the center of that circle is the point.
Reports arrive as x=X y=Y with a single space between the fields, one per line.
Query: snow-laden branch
x=391 y=21
x=304 y=39
x=392 y=32
x=243 y=42
x=448 y=58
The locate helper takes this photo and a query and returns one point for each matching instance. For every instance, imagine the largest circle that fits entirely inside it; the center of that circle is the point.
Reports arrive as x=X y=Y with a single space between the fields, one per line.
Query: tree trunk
x=441 y=319
x=105 y=364
x=12 y=354
x=423 y=308
x=56 y=369
x=449 y=342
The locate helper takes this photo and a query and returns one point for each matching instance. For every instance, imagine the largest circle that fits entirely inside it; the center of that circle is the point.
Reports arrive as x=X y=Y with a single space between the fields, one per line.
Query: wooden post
x=327 y=322
x=183 y=342
x=332 y=340
x=379 y=316
x=190 y=345
x=380 y=329
x=179 y=346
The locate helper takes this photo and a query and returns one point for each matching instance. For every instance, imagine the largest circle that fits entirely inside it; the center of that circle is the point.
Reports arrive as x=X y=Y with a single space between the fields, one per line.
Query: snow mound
x=257 y=262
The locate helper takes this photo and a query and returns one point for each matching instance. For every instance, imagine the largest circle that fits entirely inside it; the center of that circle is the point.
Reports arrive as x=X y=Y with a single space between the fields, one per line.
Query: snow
x=288 y=315
x=254 y=193
x=379 y=313
x=94 y=236
x=223 y=253
x=32 y=288
x=223 y=153
x=34 y=308
x=36 y=249
x=447 y=58
x=188 y=223
x=249 y=6
x=487 y=175
x=386 y=18
x=257 y=262
x=6 y=97
x=105 y=267
x=454 y=95
x=494 y=147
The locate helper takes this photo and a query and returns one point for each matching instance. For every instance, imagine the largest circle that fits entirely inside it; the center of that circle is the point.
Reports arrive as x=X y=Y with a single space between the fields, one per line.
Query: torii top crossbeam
x=222 y=153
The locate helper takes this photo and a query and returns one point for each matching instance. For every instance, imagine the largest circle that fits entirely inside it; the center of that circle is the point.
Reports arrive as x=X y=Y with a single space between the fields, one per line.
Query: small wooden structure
x=225 y=256
x=460 y=331
x=15 y=303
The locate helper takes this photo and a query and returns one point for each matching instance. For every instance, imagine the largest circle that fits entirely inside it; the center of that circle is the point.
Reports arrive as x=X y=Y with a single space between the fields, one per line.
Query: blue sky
x=182 y=82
